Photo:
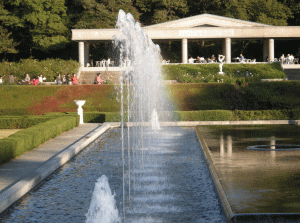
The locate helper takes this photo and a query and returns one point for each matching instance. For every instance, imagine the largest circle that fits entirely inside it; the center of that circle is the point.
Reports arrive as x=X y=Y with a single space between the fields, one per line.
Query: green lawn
x=7 y=132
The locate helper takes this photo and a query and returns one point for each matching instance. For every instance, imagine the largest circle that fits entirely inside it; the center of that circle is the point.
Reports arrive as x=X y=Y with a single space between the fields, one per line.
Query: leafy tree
x=157 y=11
x=96 y=14
x=37 y=24
x=294 y=6
x=268 y=12
x=7 y=44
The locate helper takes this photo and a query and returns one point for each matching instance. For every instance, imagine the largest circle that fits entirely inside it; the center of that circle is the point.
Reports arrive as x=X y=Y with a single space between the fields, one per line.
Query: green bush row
x=203 y=115
x=233 y=73
x=30 y=138
x=23 y=122
x=49 y=68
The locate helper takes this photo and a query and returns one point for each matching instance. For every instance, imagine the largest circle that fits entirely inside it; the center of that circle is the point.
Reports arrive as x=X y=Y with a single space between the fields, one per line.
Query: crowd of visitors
x=198 y=59
x=289 y=59
x=66 y=79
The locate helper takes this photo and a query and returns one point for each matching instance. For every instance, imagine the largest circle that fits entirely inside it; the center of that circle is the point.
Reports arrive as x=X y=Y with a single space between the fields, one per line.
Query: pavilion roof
x=206 y=20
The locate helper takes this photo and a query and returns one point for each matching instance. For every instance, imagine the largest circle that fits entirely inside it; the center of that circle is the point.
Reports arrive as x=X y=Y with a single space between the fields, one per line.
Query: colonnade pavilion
x=201 y=27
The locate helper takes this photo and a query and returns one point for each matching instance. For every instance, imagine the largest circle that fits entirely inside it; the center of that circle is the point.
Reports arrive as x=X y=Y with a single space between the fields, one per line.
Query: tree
x=268 y=12
x=96 y=14
x=157 y=11
x=37 y=24
x=7 y=44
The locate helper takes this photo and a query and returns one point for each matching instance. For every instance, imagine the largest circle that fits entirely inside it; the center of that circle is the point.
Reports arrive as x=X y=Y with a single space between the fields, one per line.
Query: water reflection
x=256 y=181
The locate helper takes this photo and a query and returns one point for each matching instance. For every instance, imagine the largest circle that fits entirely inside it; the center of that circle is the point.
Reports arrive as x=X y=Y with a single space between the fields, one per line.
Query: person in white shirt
x=191 y=60
x=41 y=79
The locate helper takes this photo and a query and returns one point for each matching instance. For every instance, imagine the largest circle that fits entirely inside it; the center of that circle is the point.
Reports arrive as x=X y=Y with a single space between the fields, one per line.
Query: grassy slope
x=185 y=97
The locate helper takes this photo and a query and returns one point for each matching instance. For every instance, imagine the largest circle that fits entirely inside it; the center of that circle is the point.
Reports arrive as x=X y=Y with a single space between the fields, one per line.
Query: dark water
x=257 y=181
x=171 y=183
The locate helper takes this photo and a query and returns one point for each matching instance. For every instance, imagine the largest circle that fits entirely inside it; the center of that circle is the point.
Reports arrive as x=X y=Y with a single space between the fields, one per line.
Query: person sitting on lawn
x=1 y=80
x=35 y=81
x=99 y=80
x=74 y=79
x=27 y=79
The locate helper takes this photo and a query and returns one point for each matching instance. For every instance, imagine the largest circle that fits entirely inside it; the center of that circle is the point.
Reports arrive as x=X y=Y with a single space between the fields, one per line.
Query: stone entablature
x=194 y=33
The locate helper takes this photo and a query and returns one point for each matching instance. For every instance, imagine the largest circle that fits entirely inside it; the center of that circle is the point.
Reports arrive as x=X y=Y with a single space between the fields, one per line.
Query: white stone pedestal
x=80 y=103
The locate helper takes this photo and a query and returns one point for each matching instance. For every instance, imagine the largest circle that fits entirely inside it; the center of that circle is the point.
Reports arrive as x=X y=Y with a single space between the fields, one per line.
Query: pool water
x=256 y=182
x=171 y=184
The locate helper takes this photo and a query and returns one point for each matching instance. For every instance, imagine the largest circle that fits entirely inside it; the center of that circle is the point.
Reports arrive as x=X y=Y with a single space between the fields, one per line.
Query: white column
x=184 y=51
x=228 y=50
x=271 y=50
x=81 y=53
x=266 y=50
x=86 y=53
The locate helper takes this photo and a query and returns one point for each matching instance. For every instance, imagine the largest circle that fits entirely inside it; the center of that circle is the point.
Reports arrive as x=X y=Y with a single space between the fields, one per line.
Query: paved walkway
x=23 y=173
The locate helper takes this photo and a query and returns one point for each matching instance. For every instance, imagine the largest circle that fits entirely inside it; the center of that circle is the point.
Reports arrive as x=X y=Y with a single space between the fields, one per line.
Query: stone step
x=292 y=74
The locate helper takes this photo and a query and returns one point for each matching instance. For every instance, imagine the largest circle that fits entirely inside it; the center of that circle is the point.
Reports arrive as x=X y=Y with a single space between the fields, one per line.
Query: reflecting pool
x=173 y=184
x=265 y=181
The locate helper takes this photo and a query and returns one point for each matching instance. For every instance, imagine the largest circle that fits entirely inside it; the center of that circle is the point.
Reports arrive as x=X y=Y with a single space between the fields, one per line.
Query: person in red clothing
x=99 y=80
x=35 y=81
x=74 y=79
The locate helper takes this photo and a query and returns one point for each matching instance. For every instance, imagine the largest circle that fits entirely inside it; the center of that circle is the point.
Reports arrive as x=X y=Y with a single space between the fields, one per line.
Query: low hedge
x=263 y=115
x=21 y=122
x=30 y=138
x=202 y=115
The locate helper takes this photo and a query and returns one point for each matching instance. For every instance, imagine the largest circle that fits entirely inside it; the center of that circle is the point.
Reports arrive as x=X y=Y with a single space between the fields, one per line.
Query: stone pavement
x=23 y=173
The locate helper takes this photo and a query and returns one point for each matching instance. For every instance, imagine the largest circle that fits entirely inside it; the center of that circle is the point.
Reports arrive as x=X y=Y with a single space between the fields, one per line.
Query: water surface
x=171 y=183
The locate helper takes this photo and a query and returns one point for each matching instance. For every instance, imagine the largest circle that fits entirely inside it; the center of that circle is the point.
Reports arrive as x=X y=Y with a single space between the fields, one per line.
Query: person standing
x=1 y=80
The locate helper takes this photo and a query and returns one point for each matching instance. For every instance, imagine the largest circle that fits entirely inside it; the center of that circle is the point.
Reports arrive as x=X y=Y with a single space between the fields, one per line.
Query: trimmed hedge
x=206 y=115
x=30 y=138
x=23 y=122
x=263 y=115
x=202 y=115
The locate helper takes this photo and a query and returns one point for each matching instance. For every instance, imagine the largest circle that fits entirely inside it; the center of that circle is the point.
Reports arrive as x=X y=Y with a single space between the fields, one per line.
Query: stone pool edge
x=17 y=190
x=213 y=173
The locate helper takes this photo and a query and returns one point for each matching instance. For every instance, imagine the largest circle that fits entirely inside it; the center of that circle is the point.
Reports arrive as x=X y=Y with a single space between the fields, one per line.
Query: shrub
x=12 y=122
x=30 y=138
x=262 y=115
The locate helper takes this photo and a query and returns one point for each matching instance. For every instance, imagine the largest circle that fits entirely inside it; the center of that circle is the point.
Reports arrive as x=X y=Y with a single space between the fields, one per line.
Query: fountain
x=141 y=97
